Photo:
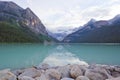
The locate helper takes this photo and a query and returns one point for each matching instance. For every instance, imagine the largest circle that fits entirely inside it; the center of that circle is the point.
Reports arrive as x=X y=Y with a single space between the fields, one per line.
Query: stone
x=53 y=74
x=96 y=74
x=25 y=78
x=31 y=72
x=50 y=74
x=42 y=77
x=118 y=78
x=64 y=71
x=44 y=66
x=76 y=71
x=82 y=78
x=7 y=75
x=67 y=79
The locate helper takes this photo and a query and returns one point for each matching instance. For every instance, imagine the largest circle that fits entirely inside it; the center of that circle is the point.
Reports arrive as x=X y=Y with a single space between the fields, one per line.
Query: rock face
x=7 y=75
x=97 y=32
x=24 y=19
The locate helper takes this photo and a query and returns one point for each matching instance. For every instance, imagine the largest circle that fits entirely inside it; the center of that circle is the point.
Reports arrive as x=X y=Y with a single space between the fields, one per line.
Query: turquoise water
x=24 y=55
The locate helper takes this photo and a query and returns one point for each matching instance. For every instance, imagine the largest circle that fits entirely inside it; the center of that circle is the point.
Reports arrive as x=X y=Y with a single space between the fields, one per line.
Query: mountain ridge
x=25 y=19
x=102 y=31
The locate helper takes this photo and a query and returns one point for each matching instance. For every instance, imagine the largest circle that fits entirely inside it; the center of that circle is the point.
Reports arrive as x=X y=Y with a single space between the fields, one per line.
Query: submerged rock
x=7 y=75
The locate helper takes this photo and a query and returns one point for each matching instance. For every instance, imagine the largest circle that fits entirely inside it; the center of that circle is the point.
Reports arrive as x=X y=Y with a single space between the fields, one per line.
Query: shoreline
x=67 y=72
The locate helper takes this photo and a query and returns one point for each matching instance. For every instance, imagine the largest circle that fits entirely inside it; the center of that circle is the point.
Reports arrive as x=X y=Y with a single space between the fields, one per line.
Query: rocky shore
x=68 y=72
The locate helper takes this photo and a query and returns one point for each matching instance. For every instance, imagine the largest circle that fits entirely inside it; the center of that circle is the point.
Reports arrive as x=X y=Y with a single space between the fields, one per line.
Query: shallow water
x=24 y=55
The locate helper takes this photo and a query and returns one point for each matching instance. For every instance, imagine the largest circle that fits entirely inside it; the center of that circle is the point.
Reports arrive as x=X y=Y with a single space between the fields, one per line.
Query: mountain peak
x=9 y=4
x=92 y=20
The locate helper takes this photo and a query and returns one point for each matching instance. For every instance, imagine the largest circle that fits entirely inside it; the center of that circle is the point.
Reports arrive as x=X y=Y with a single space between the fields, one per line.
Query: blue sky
x=70 y=13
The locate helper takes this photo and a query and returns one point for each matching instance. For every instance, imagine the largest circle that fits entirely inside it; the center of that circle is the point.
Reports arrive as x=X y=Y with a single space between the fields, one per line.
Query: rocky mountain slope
x=102 y=31
x=20 y=25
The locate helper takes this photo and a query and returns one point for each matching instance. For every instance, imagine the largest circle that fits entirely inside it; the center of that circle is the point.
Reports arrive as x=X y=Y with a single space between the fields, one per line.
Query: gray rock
x=97 y=74
x=76 y=71
x=118 y=78
x=31 y=72
x=7 y=75
x=44 y=66
x=50 y=74
x=25 y=78
x=53 y=74
x=64 y=70
x=67 y=79
x=82 y=78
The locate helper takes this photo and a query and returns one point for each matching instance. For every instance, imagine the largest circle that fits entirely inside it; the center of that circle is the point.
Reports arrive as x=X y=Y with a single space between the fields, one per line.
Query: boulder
x=97 y=74
x=44 y=66
x=53 y=74
x=64 y=71
x=31 y=72
x=25 y=78
x=50 y=74
x=118 y=78
x=43 y=77
x=82 y=78
x=67 y=79
x=76 y=71
x=7 y=75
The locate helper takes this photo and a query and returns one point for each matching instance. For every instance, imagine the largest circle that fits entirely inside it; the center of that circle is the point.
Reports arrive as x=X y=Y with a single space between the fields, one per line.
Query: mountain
x=61 y=32
x=103 y=31
x=20 y=25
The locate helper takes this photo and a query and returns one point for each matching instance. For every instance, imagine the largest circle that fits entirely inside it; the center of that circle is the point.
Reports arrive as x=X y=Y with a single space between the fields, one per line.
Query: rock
x=17 y=72
x=25 y=78
x=42 y=77
x=31 y=72
x=44 y=66
x=67 y=79
x=64 y=70
x=96 y=74
x=7 y=75
x=24 y=17
x=115 y=71
x=50 y=74
x=82 y=78
x=53 y=74
x=76 y=71
x=118 y=78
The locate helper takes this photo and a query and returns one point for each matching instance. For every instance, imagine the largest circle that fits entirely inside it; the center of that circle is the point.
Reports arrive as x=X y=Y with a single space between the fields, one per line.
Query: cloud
x=71 y=13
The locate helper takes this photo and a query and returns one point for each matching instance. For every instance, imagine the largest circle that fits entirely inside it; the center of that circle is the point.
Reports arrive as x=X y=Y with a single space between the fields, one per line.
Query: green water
x=24 y=55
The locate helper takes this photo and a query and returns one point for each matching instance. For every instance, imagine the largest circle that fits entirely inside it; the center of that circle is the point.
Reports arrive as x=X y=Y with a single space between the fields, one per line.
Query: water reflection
x=60 y=56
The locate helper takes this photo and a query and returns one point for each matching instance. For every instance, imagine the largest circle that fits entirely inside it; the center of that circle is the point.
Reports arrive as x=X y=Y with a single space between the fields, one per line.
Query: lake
x=25 y=55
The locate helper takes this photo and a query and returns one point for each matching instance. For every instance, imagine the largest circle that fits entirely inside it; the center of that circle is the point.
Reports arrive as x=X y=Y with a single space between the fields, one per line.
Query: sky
x=66 y=14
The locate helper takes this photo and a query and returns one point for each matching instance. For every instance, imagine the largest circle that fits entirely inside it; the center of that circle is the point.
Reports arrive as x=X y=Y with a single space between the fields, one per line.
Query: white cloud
x=71 y=13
